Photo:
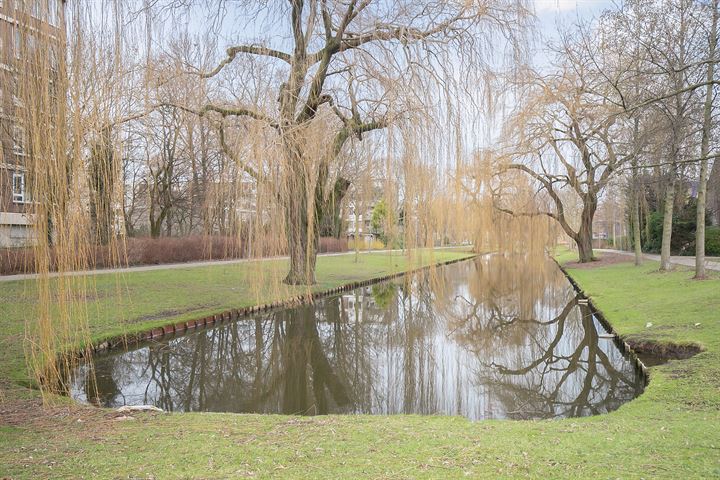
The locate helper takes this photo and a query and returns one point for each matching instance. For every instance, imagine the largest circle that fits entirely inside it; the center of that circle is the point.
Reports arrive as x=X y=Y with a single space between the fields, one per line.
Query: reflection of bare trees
x=575 y=373
x=484 y=339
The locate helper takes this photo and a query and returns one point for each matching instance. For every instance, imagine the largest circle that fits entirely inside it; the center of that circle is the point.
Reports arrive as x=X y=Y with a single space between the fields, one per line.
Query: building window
x=18 y=187
x=31 y=42
x=18 y=139
x=53 y=12
x=18 y=42
x=53 y=59
x=16 y=100
x=18 y=232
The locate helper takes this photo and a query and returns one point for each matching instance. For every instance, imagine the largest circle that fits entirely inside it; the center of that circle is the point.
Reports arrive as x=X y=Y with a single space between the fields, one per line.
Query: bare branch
x=249 y=49
x=225 y=112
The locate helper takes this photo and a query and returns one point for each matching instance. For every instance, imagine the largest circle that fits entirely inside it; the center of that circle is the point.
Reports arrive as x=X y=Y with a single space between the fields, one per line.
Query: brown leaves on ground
x=27 y=410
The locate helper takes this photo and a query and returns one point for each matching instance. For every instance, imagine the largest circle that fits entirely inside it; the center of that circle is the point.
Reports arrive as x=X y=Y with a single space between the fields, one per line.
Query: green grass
x=671 y=431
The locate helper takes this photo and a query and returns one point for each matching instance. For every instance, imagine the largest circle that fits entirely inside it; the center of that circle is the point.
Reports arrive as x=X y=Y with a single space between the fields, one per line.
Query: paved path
x=711 y=264
x=170 y=266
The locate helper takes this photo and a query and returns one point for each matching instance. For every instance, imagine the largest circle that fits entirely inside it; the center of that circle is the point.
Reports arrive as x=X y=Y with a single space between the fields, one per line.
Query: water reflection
x=498 y=337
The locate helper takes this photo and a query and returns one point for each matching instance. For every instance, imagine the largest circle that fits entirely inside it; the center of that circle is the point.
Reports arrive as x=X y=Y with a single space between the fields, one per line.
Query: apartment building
x=25 y=25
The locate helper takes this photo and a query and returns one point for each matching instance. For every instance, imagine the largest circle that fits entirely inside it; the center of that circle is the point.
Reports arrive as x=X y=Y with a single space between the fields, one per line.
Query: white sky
x=552 y=14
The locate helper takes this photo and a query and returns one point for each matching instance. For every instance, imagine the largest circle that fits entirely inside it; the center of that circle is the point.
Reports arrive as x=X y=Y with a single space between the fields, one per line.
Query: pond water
x=492 y=337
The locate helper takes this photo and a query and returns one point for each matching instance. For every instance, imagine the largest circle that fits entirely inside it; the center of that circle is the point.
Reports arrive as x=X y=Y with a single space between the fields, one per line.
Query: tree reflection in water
x=498 y=337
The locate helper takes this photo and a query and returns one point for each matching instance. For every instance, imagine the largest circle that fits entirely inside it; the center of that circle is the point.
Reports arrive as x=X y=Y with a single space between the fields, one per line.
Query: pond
x=492 y=337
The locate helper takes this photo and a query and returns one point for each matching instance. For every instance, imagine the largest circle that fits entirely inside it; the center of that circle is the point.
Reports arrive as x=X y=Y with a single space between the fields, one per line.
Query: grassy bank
x=671 y=431
x=137 y=301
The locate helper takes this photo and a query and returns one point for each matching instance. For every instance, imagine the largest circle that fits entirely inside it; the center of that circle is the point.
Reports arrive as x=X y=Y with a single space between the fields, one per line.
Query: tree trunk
x=585 y=249
x=700 y=229
x=704 y=150
x=713 y=193
x=102 y=189
x=636 y=225
x=154 y=224
x=584 y=235
x=330 y=220
x=168 y=222
x=667 y=226
x=302 y=237
x=155 y=228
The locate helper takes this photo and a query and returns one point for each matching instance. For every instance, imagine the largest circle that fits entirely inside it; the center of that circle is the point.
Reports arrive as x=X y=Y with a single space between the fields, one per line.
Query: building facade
x=359 y=224
x=25 y=25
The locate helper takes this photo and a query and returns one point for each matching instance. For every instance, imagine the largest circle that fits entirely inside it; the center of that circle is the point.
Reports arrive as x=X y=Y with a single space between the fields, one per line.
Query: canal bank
x=668 y=432
x=493 y=337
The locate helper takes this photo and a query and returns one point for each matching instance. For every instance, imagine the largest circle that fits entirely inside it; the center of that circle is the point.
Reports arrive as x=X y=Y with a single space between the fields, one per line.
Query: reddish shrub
x=156 y=251
x=134 y=251
x=332 y=244
x=149 y=251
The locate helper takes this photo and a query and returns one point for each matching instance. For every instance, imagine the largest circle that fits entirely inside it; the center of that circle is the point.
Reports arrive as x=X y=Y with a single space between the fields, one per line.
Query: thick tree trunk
x=330 y=220
x=302 y=237
x=584 y=234
x=667 y=226
x=585 y=249
x=102 y=188
x=156 y=221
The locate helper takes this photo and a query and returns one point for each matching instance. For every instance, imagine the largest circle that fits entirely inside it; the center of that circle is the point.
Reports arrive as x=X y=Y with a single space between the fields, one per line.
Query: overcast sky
x=552 y=14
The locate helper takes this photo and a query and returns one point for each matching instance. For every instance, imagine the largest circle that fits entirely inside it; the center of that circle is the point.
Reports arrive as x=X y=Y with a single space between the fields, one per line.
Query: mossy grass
x=671 y=431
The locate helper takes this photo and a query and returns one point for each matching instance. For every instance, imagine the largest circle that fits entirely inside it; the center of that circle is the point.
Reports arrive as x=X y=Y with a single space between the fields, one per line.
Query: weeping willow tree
x=311 y=102
x=68 y=73
x=330 y=73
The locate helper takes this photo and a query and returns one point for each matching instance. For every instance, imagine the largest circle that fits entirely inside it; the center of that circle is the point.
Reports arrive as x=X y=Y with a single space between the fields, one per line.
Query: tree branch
x=249 y=49
x=224 y=112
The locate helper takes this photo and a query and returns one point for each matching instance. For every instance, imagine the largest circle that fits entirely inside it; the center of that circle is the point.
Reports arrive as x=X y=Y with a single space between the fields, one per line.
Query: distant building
x=22 y=23
x=359 y=223
x=610 y=223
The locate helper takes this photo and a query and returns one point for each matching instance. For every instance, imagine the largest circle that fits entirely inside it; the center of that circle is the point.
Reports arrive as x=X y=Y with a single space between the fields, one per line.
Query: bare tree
x=162 y=161
x=661 y=85
x=342 y=71
x=567 y=138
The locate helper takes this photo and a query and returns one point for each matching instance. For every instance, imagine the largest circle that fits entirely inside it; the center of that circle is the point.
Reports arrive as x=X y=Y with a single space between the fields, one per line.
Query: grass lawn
x=671 y=431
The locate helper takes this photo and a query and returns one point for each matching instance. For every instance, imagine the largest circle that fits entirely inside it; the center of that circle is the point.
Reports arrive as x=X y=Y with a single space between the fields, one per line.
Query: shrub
x=683 y=230
x=363 y=245
x=332 y=244
x=158 y=251
x=136 y=251
x=712 y=241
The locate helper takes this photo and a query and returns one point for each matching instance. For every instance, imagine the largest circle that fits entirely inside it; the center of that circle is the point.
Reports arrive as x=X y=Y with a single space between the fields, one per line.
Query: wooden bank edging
x=624 y=347
x=238 y=313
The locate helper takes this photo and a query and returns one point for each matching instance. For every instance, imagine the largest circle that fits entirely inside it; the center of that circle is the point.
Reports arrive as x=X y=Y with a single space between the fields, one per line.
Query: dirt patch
x=605 y=260
x=169 y=314
x=664 y=350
